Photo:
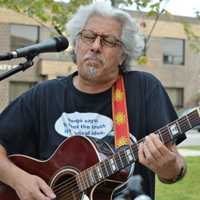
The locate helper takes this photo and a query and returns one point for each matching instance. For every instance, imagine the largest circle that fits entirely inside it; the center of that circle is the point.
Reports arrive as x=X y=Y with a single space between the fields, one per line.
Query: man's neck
x=92 y=87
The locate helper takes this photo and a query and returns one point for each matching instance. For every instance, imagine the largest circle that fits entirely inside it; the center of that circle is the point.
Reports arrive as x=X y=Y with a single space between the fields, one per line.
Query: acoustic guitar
x=82 y=167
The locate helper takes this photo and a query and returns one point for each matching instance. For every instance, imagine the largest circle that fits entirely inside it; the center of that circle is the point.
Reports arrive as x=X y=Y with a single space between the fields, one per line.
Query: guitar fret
x=113 y=164
x=134 y=153
x=129 y=155
x=194 y=118
x=124 y=159
x=95 y=174
x=104 y=169
x=120 y=159
x=168 y=135
x=188 y=121
x=186 y=124
x=86 y=179
x=198 y=113
x=91 y=176
x=99 y=173
x=164 y=134
x=173 y=129
x=178 y=125
x=182 y=124
x=82 y=181
x=78 y=180
x=160 y=136
x=108 y=167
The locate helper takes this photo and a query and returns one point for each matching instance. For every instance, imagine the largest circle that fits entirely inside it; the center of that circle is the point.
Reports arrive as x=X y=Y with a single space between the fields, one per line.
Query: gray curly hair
x=132 y=39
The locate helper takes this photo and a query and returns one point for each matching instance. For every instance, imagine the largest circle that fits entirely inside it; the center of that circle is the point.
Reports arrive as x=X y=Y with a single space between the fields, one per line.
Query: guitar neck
x=178 y=127
x=126 y=156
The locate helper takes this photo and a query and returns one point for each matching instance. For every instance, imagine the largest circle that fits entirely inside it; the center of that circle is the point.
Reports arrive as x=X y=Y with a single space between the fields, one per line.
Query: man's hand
x=165 y=161
x=27 y=186
x=30 y=187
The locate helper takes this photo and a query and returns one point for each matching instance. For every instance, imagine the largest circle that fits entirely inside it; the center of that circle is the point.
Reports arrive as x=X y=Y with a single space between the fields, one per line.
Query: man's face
x=98 y=49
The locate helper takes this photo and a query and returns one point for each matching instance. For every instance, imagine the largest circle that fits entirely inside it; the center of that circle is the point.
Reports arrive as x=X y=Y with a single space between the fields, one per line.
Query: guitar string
x=69 y=195
x=117 y=158
x=65 y=190
x=183 y=120
x=66 y=193
x=138 y=141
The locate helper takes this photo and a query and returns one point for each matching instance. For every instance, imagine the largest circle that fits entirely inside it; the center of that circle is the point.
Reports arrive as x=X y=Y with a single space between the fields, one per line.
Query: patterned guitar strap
x=119 y=112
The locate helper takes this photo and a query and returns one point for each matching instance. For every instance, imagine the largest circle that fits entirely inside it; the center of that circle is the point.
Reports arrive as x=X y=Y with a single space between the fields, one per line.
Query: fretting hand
x=162 y=159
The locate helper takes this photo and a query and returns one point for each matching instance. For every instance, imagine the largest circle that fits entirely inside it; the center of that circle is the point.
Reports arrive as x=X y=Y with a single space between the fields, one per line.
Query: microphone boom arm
x=20 y=67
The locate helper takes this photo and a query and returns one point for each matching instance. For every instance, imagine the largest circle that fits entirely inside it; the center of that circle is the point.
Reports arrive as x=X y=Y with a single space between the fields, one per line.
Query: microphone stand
x=20 y=67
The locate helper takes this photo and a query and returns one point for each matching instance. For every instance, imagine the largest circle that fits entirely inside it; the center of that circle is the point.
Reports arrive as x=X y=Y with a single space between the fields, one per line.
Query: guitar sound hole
x=65 y=187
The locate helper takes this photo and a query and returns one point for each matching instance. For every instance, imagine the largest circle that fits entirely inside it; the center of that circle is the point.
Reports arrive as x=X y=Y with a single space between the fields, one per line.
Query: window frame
x=183 y=52
x=182 y=96
x=26 y=25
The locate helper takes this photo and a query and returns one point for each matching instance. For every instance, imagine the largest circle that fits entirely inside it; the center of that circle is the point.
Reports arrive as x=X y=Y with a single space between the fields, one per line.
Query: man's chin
x=92 y=71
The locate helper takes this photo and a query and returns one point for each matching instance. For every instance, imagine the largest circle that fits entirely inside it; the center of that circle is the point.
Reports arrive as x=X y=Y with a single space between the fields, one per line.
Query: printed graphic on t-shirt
x=84 y=124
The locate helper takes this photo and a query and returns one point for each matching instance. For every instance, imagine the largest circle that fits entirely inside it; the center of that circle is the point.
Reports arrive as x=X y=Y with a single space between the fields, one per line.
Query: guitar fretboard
x=126 y=156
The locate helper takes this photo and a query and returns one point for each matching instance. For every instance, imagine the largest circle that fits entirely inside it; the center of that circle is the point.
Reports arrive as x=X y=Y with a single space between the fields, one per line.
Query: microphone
x=55 y=44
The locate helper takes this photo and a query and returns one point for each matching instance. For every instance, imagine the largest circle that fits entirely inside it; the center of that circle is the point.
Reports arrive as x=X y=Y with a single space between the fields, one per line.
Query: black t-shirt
x=39 y=120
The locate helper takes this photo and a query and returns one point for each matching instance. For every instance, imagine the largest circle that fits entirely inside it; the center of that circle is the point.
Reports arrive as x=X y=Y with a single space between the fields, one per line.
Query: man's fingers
x=152 y=147
x=46 y=189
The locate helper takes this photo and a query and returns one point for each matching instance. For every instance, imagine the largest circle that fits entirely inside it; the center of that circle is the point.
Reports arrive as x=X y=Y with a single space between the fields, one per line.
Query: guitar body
x=80 y=166
x=74 y=155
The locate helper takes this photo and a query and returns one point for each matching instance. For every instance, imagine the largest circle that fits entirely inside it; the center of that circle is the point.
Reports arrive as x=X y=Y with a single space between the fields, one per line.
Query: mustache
x=95 y=57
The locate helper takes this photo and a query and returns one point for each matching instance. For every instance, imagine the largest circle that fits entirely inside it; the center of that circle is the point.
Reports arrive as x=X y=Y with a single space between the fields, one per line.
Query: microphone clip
x=20 y=67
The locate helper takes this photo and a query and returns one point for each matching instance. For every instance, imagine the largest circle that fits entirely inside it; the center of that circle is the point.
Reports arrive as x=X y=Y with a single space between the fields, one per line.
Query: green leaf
x=142 y=60
x=152 y=13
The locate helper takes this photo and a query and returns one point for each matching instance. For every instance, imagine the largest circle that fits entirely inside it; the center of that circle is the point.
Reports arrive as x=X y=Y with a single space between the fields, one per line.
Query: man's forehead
x=104 y=24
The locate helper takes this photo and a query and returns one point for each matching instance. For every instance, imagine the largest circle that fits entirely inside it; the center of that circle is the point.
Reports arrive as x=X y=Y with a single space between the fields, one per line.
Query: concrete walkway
x=193 y=139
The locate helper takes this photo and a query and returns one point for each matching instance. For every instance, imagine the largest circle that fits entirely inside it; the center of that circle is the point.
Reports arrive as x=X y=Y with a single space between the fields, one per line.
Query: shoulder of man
x=146 y=80
x=51 y=86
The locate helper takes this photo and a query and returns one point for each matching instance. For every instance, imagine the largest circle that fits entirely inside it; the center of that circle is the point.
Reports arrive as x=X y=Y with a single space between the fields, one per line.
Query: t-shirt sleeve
x=17 y=125
x=160 y=110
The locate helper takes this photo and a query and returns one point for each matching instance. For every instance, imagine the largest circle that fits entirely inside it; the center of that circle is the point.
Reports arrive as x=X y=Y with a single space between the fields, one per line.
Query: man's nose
x=96 y=45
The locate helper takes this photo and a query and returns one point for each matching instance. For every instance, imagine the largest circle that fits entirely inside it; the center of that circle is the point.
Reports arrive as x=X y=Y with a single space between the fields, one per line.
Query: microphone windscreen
x=61 y=43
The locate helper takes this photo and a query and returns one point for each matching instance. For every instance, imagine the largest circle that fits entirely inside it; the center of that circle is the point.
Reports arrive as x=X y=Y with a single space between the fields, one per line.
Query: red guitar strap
x=119 y=112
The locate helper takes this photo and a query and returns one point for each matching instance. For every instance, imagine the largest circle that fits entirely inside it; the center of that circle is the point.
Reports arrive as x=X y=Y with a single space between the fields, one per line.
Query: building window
x=176 y=96
x=173 y=51
x=17 y=88
x=23 y=35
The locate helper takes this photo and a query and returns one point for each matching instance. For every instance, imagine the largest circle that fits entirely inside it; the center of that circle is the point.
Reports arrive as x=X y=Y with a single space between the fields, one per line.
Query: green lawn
x=190 y=147
x=187 y=189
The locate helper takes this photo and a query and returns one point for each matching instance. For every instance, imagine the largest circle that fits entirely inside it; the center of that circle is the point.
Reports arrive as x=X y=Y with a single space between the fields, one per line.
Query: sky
x=183 y=7
x=177 y=7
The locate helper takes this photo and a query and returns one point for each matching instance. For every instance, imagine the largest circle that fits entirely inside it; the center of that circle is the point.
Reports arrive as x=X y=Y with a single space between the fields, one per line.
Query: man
x=105 y=40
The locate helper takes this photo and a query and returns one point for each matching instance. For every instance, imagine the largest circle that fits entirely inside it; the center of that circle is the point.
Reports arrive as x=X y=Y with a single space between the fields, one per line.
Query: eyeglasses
x=88 y=37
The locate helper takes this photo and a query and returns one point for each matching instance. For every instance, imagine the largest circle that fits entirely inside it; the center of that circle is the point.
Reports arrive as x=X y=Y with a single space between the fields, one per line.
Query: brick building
x=17 y=30
x=170 y=58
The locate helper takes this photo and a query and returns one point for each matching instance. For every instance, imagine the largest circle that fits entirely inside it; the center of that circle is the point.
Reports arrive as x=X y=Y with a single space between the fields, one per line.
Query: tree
x=57 y=13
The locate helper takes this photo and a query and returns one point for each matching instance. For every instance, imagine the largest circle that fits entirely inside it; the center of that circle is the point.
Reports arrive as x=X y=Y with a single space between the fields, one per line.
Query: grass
x=190 y=147
x=186 y=189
